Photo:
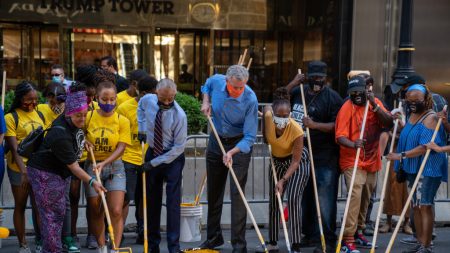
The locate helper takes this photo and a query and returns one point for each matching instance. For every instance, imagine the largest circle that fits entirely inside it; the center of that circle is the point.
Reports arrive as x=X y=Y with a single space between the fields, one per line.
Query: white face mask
x=281 y=122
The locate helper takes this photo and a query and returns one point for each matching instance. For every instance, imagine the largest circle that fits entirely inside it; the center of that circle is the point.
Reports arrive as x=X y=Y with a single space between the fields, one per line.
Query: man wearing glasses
x=57 y=73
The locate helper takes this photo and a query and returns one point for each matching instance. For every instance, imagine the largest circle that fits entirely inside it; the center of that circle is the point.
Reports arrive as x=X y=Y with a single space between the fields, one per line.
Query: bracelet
x=91 y=181
x=403 y=155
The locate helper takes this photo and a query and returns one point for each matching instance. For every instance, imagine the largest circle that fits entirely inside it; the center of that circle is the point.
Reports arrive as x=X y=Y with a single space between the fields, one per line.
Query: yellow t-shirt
x=28 y=121
x=49 y=115
x=106 y=132
x=281 y=146
x=122 y=97
x=133 y=152
x=92 y=106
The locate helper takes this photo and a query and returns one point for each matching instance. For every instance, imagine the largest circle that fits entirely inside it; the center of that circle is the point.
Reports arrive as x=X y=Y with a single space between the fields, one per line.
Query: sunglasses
x=56 y=74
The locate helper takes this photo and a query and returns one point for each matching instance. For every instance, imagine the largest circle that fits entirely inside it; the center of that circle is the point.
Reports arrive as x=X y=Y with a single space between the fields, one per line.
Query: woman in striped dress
x=291 y=162
x=410 y=151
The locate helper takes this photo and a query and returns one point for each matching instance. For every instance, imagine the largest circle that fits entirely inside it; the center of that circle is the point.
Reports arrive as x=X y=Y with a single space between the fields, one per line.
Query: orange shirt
x=348 y=124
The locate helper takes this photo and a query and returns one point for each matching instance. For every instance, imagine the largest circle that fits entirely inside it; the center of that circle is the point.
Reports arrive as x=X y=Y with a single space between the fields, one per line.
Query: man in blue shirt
x=162 y=123
x=234 y=108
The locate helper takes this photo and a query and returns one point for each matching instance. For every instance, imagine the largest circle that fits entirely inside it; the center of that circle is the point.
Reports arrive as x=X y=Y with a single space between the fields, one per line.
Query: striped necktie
x=158 y=138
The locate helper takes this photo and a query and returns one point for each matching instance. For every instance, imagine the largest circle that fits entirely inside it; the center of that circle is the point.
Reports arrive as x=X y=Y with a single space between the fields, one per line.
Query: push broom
x=105 y=205
x=144 y=200
x=383 y=190
x=311 y=158
x=413 y=188
x=280 y=203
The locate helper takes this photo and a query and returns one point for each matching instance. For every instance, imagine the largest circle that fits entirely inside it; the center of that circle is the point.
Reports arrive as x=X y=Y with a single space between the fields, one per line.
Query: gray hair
x=166 y=83
x=237 y=71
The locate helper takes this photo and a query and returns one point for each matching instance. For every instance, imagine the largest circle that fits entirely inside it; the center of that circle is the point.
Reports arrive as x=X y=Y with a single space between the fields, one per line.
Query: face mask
x=106 y=107
x=233 y=92
x=58 y=108
x=56 y=79
x=280 y=122
x=316 y=85
x=358 y=98
x=416 y=107
x=166 y=107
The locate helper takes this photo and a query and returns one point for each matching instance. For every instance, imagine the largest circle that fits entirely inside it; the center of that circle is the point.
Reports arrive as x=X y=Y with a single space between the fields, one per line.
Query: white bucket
x=190 y=223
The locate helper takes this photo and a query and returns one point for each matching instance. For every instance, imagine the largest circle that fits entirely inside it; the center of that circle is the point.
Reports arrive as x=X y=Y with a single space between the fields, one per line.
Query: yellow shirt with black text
x=106 y=132
x=27 y=122
x=122 y=97
x=133 y=152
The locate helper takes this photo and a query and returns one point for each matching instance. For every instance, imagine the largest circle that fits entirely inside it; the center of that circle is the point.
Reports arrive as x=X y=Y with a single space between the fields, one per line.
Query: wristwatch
x=403 y=155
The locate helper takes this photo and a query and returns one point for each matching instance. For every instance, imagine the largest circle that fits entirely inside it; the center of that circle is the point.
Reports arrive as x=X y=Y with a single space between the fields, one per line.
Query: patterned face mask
x=280 y=122
x=58 y=108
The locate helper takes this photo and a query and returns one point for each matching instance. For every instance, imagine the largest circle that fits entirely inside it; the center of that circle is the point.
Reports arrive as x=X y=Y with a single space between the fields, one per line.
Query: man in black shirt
x=110 y=64
x=323 y=104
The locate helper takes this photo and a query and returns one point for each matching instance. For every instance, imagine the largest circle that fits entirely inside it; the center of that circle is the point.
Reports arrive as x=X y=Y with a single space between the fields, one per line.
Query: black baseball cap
x=356 y=83
x=317 y=68
x=410 y=79
x=137 y=74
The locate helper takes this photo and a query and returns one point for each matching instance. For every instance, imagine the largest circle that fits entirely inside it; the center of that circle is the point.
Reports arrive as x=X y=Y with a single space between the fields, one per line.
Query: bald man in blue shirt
x=234 y=109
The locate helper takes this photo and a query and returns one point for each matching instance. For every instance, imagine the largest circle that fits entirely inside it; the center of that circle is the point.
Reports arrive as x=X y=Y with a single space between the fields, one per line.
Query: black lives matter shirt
x=322 y=107
x=62 y=146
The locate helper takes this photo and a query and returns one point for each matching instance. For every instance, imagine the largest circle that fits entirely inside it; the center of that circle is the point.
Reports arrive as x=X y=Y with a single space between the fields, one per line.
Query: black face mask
x=358 y=98
x=316 y=85
x=416 y=107
x=165 y=107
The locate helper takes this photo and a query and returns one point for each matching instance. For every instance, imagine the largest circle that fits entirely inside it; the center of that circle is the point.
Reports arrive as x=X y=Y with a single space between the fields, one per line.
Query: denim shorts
x=426 y=189
x=112 y=176
x=15 y=178
x=131 y=171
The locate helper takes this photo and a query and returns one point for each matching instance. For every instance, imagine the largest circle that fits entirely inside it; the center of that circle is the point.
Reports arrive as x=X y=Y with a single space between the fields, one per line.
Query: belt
x=230 y=140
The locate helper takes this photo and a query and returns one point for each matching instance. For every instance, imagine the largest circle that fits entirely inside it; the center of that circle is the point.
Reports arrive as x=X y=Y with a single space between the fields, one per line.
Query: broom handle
x=280 y=203
x=352 y=182
x=243 y=57
x=238 y=186
x=385 y=180
x=200 y=192
x=144 y=200
x=311 y=158
x=3 y=90
x=105 y=204
x=249 y=63
x=413 y=188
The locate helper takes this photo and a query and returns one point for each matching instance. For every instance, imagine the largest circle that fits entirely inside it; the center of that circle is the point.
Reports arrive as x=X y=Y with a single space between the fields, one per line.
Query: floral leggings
x=49 y=190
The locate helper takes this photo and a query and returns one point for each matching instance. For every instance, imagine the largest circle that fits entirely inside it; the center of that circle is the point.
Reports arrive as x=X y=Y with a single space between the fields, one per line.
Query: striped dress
x=414 y=135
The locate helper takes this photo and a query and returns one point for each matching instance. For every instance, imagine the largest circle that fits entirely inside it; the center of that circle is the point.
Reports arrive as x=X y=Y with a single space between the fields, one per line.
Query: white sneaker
x=24 y=249
x=103 y=249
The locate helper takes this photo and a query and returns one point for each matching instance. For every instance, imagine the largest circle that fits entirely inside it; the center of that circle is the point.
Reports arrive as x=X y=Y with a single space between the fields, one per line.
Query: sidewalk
x=442 y=243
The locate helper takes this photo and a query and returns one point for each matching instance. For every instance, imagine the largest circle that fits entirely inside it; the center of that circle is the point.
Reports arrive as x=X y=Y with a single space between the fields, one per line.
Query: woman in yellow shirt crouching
x=107 y=133
x=291 y=166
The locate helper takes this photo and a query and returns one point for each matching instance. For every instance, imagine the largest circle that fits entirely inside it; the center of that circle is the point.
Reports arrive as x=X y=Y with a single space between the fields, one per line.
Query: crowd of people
x=124 y=130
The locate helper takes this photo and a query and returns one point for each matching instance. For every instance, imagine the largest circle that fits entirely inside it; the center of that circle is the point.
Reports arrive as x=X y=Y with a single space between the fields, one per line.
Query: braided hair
x=86 y=73
x=104 y=76
x=281 y=97
x=21 y=91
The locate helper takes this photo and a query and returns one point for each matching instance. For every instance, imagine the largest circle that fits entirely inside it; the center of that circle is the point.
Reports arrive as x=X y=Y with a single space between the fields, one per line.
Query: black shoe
x=213 y=243
x=242 y=250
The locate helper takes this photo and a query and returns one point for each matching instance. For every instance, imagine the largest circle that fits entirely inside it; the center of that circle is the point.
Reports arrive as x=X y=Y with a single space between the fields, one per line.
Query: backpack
x=33 y=141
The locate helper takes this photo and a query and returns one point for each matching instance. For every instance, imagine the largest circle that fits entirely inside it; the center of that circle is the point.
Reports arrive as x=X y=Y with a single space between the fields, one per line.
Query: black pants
x=217 y=174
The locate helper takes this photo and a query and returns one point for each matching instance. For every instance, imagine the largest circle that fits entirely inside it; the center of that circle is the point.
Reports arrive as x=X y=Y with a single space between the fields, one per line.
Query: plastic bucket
x=190 y=222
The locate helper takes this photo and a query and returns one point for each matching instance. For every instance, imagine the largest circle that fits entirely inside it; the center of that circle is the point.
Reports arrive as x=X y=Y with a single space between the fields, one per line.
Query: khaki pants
x=365 y=183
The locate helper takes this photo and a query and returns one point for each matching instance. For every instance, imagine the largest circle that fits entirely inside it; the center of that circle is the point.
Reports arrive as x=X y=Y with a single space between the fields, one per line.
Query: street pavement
x=441 y=243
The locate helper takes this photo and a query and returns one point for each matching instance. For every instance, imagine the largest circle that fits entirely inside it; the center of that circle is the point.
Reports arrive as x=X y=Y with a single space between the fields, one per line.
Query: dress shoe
x=213 y=243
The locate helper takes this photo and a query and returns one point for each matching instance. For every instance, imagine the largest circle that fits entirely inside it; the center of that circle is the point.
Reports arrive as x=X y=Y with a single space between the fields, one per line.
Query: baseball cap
x=137 y=74
x=412 y=78
x=317 y=68
x=356 y=83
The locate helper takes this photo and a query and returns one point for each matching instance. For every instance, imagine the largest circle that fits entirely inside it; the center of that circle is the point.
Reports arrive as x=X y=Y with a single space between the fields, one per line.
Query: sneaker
x=407 y=229
x=349 y=247
x=271 y=247
x=411 y=240
x=69 y=245
x=424 y=249
x=369 y=230
x=91 y=242
x=24 y=249
x=361 y=240
x=38 y=246
x=413 y=249
x=103 y=249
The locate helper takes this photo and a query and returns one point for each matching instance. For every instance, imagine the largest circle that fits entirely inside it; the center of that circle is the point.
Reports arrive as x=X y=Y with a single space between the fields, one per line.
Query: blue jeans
x=327 y=178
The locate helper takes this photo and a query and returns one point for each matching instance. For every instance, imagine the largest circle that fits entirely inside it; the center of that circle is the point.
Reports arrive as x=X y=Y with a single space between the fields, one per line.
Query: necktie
x=158 y=138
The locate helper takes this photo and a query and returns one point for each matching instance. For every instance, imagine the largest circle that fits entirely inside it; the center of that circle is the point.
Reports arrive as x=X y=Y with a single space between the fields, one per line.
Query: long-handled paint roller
x=352 y=182
x=413 y=188
x=233 y=175
x=385 y=180
x=280 y=203
x=144 y=200
x=105 y=205
x=313 y=174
